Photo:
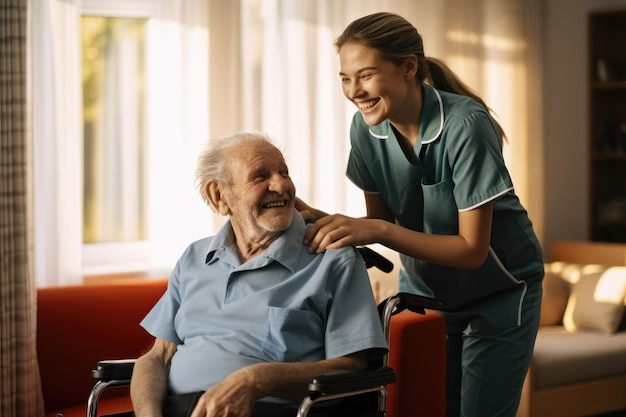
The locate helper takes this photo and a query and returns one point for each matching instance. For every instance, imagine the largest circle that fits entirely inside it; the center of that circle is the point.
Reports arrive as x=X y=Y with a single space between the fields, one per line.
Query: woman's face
x=376 y=86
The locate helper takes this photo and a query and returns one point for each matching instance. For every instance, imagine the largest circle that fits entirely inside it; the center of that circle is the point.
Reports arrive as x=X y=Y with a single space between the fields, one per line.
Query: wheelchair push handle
x=373 y=258
x=402 y=300
x=417 y=303
x=406 y=301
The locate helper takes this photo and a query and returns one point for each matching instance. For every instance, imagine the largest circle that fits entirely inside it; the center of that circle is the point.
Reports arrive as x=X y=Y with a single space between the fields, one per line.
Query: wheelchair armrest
x=350 y=381
x=108 y=370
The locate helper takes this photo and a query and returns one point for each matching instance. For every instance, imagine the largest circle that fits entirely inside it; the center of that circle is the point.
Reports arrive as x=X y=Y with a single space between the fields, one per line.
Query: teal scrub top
x=456 y=165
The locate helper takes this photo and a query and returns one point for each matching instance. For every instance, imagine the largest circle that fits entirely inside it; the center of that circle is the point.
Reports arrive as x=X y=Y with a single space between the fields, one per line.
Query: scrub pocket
x=440 y=209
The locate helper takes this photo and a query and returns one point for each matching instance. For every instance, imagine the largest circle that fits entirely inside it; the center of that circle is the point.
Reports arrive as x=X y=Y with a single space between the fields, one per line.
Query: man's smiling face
x=260 y=196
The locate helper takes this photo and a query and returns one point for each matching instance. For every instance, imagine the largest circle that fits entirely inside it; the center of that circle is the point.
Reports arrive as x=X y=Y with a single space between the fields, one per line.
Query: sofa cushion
x=77 y=326
x=561 y=357
x=559 y=279
x=555 y=295
x=597 y=301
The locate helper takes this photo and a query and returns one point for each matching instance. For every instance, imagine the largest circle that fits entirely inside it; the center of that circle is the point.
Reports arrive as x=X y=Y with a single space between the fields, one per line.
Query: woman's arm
x=308 y=213
x=467 y=250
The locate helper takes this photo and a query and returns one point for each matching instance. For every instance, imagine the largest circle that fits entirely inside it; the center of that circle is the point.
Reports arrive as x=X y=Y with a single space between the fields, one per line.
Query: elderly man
x=249 y=316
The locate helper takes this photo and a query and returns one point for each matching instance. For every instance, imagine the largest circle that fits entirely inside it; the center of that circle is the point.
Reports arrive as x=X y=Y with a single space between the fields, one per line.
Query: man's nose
x=279 y=183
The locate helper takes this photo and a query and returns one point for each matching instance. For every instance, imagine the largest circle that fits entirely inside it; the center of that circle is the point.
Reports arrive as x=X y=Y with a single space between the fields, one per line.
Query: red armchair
x=81 y=325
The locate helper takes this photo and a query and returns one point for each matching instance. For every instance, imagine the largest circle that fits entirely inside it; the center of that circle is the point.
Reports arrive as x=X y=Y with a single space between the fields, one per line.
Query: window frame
x=128 y=255
x=117 y=256
x=60 y=257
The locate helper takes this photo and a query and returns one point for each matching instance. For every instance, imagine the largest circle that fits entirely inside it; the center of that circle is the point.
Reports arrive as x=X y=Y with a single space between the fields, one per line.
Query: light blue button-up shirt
x=284 y=305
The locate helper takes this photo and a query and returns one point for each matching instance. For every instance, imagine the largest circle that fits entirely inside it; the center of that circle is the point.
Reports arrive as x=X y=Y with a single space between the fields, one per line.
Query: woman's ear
x=215 y=197
x=410 y=67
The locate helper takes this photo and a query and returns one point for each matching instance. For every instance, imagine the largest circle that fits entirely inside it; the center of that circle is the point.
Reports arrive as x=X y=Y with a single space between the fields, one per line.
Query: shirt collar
x=286 y=249
x=431 y=121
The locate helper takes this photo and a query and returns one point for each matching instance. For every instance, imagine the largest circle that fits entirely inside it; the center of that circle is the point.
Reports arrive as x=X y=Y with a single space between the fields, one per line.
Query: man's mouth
x=281 y=203
x=368 y=104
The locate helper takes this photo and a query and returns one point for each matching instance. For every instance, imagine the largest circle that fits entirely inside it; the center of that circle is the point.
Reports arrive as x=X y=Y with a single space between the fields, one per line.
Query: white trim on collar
x=441 y=118
x=378 y=136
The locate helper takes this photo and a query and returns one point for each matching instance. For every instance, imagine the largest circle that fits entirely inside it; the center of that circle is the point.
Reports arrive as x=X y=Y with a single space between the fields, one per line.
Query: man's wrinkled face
x=261 y=195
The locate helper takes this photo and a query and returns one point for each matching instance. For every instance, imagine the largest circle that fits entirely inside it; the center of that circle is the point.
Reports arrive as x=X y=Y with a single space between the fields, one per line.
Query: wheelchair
x=367 y=386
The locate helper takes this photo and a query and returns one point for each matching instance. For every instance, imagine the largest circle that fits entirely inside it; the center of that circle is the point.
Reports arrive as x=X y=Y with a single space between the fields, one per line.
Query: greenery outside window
x=114 y=129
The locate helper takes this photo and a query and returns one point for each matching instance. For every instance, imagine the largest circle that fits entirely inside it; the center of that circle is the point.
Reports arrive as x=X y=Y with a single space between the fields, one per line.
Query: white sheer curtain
x=217 y=67
x=178 y=127
x=178 y=97
x=292 y=91
x=56 y=139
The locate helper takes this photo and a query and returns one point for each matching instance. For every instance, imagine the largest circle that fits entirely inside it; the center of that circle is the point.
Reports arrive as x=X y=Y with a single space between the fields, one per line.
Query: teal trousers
x=489 y=348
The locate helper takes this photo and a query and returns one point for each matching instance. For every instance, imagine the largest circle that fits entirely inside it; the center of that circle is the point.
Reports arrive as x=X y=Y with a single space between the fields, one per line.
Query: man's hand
x=234 y=396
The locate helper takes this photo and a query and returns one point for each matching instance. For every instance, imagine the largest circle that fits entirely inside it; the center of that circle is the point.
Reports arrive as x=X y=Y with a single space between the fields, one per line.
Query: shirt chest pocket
x=440 y=209
x=294 y=335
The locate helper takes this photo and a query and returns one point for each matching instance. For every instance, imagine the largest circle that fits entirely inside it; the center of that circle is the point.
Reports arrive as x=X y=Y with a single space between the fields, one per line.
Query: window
x=120 y=113
x=114 y=129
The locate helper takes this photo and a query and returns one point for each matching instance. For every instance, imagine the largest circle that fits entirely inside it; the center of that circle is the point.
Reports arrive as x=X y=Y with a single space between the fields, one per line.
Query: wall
x=566 y=117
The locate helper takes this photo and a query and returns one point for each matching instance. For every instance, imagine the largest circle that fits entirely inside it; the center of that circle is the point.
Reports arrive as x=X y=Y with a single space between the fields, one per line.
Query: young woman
x=428 y=156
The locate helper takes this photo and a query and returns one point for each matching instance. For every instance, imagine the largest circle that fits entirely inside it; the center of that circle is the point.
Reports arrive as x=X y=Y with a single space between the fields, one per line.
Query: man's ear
x=216 y=200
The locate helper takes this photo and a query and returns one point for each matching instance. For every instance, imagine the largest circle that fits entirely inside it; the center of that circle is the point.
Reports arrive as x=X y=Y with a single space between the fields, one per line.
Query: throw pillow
x=555 y=296
x=597 y=301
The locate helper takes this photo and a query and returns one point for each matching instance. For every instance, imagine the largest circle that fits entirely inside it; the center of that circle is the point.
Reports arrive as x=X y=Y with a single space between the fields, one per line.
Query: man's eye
x=366 y=76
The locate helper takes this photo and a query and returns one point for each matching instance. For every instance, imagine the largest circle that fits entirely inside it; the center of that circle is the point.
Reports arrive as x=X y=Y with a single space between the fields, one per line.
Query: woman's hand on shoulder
x=336 y=231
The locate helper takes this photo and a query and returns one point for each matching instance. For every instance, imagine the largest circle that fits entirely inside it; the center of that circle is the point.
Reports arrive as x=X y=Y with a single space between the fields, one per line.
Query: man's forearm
x=290 y=380
x=148 y=387
x=238 y=391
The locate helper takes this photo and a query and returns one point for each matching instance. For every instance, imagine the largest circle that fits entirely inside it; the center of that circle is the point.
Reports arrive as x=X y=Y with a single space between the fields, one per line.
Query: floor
x=621 y=413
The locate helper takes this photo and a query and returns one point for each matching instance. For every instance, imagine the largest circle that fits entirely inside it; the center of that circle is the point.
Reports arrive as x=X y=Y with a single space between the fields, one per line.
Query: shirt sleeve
x=353 y=323
x=479 y=173
x=357 y=170
x=159 y=322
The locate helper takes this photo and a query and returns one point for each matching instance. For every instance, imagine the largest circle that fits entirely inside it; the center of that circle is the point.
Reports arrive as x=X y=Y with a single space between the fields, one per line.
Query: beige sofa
x=579 y=366
x=579 y=362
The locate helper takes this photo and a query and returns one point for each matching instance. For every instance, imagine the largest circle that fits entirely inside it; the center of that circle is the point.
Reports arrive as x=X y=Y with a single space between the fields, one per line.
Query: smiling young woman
x=427 y=154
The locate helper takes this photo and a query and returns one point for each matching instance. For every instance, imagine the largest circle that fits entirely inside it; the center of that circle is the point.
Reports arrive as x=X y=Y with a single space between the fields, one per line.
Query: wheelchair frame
x=325 y=387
